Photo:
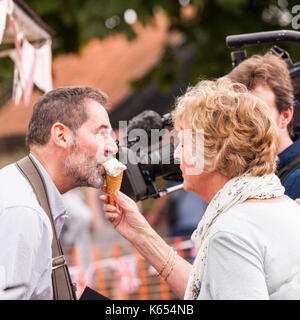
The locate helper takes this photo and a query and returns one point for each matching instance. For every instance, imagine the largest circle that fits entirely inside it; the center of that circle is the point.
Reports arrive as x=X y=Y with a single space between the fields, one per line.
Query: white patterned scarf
x=235 y=191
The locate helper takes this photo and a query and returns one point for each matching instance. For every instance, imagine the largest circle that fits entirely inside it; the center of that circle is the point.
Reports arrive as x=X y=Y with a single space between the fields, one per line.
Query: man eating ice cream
x=69 y=138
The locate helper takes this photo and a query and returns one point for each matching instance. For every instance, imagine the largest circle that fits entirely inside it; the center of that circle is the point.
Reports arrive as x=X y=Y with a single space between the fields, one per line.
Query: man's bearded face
x=92 y=145
x=84 y=168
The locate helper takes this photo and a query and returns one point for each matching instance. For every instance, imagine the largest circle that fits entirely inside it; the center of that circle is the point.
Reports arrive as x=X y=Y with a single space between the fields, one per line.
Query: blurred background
x=143 y=54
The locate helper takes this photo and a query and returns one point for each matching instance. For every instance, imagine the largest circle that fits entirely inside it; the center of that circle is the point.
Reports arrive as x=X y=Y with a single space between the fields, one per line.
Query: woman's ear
x=61 y=135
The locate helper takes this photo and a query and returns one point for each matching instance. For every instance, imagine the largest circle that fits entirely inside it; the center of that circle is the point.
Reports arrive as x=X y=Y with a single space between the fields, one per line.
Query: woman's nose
x=177 y=153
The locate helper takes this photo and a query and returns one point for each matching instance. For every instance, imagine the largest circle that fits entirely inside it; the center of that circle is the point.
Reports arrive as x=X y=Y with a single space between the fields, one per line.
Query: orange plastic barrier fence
x=98 y=272
x=118 y=271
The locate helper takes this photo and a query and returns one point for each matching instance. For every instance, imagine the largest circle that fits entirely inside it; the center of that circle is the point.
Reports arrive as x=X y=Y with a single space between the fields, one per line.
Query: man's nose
x=111 y=146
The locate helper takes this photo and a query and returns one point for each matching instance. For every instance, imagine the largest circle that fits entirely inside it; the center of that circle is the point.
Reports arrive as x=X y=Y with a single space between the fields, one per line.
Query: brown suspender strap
x=63 y=289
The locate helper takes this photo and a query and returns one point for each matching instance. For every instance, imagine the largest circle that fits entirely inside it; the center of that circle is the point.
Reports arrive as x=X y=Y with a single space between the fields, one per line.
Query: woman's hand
x=125 y=216
x=131 y=224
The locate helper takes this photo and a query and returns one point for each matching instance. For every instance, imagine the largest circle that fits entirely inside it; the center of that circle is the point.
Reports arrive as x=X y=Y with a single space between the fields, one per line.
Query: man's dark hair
x=65 y=105
x=268 y=70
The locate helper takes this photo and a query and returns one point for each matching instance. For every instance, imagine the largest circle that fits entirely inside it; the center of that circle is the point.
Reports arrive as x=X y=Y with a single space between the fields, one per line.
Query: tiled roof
x=109 y=64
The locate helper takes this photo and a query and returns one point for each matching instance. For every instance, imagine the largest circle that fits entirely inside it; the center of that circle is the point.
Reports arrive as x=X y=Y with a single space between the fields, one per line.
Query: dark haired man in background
x=268 y=78
x=68 y=138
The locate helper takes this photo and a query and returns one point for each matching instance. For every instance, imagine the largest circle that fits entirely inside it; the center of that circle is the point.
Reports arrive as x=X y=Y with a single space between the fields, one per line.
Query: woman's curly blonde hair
x=239 y=135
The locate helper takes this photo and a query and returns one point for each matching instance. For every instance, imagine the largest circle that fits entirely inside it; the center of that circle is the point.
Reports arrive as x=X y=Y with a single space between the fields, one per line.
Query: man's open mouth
x=101 y=169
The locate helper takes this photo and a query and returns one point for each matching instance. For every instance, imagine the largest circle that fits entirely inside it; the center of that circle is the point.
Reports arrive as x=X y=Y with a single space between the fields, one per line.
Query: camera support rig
x=270 y=37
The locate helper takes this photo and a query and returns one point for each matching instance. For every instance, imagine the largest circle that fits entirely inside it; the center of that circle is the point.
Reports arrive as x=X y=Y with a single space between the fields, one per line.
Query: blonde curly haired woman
x=248 y=239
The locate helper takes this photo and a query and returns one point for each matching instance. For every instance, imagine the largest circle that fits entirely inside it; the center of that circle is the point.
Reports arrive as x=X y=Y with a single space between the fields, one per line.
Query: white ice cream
x=113 y=167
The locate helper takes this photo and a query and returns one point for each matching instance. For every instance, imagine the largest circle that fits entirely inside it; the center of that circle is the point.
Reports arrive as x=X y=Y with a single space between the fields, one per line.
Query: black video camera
x=270 y=37
x=149 y=160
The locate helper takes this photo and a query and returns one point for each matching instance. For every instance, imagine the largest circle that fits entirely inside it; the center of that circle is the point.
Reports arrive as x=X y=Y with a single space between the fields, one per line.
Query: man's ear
x=286 y=117
x=61 y=135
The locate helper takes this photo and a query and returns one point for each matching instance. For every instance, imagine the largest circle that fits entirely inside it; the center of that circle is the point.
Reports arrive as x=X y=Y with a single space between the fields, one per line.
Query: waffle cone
x=113 y=184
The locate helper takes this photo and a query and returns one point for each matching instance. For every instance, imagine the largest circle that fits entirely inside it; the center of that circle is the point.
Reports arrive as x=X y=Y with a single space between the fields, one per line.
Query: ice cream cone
x=113 y=184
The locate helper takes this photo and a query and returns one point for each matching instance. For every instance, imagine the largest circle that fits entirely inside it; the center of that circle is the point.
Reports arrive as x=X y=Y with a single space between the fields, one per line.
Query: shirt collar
x=55 y=199
x=289 y=153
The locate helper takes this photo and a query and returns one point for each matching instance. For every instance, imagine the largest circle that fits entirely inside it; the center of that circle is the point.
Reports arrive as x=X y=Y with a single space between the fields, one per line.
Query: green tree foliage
x=203 y=35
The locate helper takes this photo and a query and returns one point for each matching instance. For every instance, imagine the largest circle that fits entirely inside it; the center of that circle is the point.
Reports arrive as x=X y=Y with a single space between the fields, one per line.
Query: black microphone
x=147 y=120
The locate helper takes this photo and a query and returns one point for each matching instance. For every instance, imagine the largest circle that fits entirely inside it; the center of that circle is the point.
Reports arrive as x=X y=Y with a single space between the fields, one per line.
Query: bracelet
x=165 y=264
x=175 y=256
